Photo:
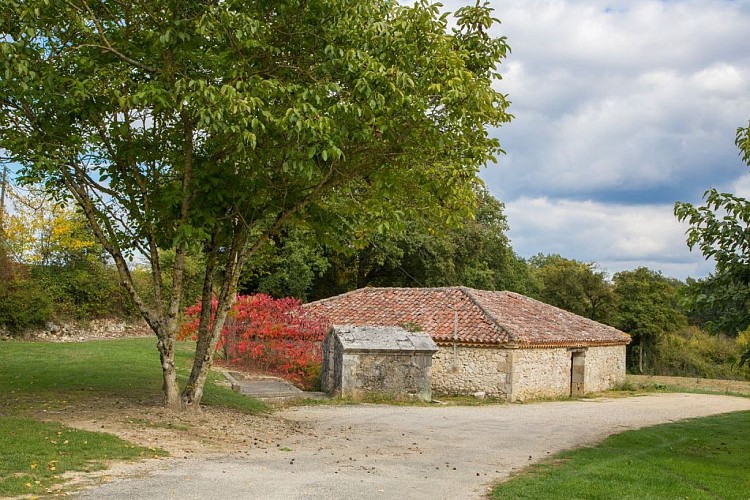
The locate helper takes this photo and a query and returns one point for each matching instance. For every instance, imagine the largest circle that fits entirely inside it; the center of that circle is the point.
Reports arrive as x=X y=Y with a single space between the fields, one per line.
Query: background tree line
x=55 y=270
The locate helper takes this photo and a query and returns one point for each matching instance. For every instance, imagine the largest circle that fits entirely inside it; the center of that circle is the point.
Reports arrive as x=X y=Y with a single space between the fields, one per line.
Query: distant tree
x=60 y=258
x=23 y=302
x=721 y=230
x=287 y=267
x=207 y=127
x=41 y=231
x=575 y=286
x=477 y=253
x=647 y=308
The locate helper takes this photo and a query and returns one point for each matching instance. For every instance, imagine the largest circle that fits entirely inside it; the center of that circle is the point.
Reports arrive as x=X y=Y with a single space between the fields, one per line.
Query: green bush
x=23 y=304
x=691 y=352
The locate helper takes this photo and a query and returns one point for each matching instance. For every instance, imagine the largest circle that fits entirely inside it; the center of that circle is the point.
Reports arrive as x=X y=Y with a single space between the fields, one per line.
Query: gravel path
x=383 y=452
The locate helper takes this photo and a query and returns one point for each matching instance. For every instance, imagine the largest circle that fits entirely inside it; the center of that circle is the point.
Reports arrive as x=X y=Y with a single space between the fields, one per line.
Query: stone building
x=500 y=344
x=377 y=359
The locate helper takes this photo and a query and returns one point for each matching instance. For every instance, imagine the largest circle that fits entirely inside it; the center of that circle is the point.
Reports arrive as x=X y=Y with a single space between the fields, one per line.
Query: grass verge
x=39 y=380
x=698 y=458
x=36 y=454
x=658 y=383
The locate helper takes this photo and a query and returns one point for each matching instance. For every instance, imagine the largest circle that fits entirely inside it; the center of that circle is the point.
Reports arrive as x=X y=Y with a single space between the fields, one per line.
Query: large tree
x=477 y=253
x=647 y=308
x=575 y=286
x=721 y=230
x=205 y=127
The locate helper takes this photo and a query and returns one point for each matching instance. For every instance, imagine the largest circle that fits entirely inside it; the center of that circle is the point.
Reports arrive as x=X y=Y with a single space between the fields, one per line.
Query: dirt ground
x=378 y=451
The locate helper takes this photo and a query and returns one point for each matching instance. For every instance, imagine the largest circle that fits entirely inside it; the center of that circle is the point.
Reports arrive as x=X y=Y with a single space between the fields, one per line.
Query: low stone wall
x=84 y=330
x=476 y=370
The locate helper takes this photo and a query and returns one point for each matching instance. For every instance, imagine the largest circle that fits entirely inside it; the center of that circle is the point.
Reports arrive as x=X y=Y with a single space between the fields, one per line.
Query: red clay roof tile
x=484 y=317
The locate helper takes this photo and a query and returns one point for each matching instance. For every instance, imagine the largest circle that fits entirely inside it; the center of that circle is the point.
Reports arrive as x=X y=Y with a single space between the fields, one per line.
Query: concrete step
x=268 y=388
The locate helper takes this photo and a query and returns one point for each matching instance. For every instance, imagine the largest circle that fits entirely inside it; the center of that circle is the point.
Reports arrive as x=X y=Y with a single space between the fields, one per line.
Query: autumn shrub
x=271 y=335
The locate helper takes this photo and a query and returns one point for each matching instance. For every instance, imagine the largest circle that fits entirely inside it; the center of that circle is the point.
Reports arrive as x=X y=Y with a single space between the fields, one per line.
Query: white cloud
x=618 y=237
x=634 y=95
x=630 y=103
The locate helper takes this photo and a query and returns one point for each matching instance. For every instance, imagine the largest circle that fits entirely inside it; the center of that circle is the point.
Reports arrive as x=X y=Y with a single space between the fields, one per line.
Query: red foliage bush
x=271 y=335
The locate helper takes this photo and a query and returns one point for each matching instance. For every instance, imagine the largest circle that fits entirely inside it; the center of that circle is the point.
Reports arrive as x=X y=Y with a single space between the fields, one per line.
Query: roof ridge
x=469 y=293
x=376 y=288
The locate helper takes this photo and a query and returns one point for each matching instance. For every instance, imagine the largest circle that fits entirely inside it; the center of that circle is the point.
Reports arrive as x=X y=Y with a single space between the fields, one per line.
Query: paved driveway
x=385 y=452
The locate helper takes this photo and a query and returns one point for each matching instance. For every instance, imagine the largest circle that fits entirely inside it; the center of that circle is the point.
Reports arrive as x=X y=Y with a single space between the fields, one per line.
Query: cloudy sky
x=621 y=108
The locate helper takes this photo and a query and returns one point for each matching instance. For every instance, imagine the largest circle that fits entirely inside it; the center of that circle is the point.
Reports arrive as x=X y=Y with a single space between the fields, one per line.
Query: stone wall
x=385 y=360
x=71 y=331
x=476 y=370
x=398 y=375
x=605 y=367
x=540 y=373
x=536 y=373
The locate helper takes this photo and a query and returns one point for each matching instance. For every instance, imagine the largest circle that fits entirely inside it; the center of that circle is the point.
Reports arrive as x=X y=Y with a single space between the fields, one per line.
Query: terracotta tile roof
x=484 y=317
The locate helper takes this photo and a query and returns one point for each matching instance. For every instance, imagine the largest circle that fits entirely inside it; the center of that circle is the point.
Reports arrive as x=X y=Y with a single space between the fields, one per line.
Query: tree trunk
x=640 y=357
x=204 y=355
x=170 y=388
x=2 y=203
x=208 y=337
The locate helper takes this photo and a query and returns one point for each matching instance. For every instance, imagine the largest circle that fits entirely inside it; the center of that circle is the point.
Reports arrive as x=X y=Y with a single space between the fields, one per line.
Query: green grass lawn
x=35 y=454
x=40 y=378
x=39 y=375
x=699 y=458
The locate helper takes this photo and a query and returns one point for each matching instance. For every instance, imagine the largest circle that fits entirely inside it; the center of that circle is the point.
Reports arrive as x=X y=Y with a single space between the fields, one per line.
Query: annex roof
x=383 y=339
x=479 y=317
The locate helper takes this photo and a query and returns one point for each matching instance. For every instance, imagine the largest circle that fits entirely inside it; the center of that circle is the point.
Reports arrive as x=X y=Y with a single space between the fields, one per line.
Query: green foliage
x=691 y=352
x=179 y=125
x=85 y=291
x=721 y=230
x=23 y=302
x=575 y=286
x=37 y=454
x=647 y=309
x=698 y=458
x=477 y=253
x=287 y=267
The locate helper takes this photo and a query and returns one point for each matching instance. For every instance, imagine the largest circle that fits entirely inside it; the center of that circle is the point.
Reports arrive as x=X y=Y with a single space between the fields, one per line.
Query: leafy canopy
x=206 y=127
x=721 y=230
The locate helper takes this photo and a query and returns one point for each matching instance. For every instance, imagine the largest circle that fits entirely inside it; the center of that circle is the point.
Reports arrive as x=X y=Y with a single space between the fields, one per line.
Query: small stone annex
x=377 y=359
x=499 y=344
